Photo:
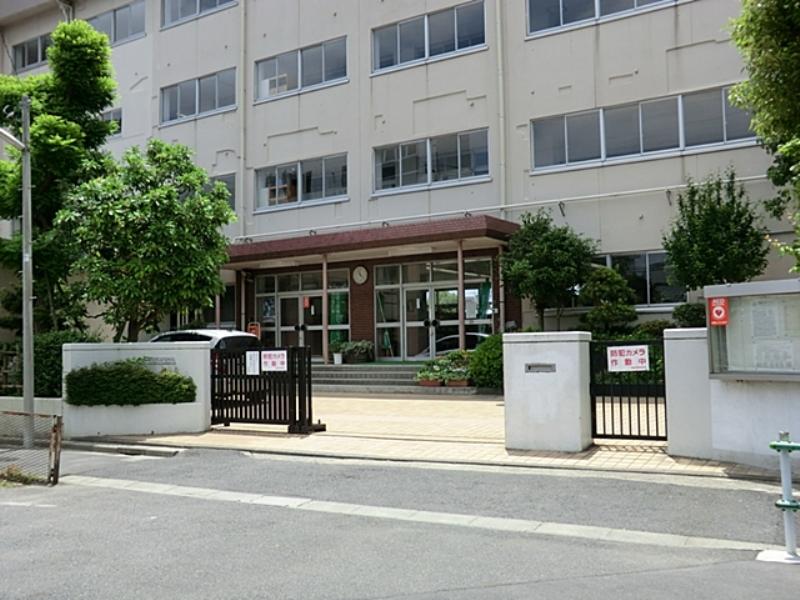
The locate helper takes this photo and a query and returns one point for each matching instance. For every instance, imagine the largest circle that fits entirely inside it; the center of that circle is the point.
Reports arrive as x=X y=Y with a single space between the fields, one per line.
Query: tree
x=716 y=237
x=546 y=264
x=150 y=236
x=612 y=301
x=67 y=134
x=767 y=34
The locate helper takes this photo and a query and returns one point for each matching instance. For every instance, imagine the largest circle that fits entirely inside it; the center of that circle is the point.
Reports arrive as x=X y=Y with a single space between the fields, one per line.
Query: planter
x=337 y=358
x=429 y=383
x=352 y=359
x=458 y=383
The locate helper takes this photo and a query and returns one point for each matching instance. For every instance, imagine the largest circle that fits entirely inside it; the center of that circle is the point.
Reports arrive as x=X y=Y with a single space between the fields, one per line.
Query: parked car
x=448 y=343
x=221 y=339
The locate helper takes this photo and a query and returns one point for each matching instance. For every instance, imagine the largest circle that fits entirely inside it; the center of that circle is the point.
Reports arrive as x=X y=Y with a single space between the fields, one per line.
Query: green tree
x=546 y=263
x=612 y=301
x=716 y=237
x=149 y=232
x=767 y=34
x=67 y=134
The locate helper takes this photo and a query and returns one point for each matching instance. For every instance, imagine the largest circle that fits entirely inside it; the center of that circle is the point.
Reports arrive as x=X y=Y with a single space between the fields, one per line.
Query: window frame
x=197 y=114
x=598 y=17
x=375 y=70
x=298 y=52
x=221 y=5
x=221 y=178
x=298 y=166
x=609 y=263
x=429 y=183
x=109 y=116
x=113 y=38
x=41 y=52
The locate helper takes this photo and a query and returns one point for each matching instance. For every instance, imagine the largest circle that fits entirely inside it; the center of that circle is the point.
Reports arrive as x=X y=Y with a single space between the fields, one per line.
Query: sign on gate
x=628 y=358
x=253 y=365
x=274 y=360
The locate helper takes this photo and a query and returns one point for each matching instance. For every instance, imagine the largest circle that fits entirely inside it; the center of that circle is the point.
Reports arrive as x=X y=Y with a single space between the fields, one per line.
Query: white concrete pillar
x=688 y=392
x=546 y=378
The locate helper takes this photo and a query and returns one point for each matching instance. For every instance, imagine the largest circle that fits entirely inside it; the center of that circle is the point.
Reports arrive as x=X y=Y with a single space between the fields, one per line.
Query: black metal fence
x=628 y=404
x=263 y=385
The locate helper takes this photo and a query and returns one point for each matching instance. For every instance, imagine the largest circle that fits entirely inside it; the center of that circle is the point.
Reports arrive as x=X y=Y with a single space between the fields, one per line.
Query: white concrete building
x=407 y=138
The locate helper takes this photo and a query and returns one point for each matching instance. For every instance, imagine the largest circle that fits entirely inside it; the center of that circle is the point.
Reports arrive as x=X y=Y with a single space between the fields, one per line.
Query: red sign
x=306 y=302
x=718 y=312
x=254 y=327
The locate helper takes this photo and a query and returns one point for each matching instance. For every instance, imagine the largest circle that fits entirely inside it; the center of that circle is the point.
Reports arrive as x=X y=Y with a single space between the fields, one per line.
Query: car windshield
x=238 y=342
x=182 y=336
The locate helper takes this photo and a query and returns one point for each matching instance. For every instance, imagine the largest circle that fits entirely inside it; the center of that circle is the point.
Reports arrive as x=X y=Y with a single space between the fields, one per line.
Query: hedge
x=127 y=383
x=486 y=363
x=47 y=365
x=692 y=314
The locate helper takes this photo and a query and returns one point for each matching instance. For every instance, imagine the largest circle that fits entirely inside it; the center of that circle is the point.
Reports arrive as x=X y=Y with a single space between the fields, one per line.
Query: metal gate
x=628 y=404
x=243 y=391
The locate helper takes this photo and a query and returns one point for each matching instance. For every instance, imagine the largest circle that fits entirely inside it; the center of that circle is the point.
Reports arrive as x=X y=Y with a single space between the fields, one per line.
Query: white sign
x=252 y=360
x=628 y=358
x=274 y=360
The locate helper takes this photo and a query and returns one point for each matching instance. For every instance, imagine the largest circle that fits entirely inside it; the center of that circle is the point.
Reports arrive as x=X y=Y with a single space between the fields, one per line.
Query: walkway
x=437 y=430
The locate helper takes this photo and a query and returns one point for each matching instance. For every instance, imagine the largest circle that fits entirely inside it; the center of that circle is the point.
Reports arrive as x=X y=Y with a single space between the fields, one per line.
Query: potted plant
x=336 y=350
x=430 y=375
x=456 y=369
x=358 y=352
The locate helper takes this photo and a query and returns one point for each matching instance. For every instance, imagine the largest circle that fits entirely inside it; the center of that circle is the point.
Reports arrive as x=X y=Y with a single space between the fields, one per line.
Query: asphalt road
x=147 y=541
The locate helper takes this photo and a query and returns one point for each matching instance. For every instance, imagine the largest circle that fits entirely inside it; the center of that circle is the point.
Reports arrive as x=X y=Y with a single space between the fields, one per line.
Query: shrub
x=358 y=351
x=452 y=367
x=127 y=383
x=486 y=363
x=612 y=302
x=47 y=364
x=653 y=329
x=691 y=314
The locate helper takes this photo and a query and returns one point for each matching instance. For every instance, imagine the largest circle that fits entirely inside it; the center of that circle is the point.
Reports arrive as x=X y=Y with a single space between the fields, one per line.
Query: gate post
x=546 y=377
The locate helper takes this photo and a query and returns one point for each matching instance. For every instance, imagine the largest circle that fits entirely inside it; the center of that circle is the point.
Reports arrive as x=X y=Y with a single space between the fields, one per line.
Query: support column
x=217 y=312
x=462 y=329
x=501 y=292
x=325 y=308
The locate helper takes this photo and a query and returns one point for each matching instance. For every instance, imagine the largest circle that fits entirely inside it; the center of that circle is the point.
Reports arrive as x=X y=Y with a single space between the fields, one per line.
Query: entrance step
x=375 y=378
x=411 y=390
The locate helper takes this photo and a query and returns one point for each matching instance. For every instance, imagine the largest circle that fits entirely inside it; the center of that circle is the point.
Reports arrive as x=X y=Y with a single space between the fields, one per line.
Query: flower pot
x=429 y=383
x=457 y=383
x=337 y=358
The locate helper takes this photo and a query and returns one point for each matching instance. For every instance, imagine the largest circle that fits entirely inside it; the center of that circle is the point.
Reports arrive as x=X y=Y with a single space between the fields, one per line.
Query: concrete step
x=365 y=369
x=393 y=389
x=378 y=374
x=362 y=382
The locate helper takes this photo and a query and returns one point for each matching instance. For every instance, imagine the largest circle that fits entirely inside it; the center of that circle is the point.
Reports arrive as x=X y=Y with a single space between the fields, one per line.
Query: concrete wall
x=188 y=358
x=723 y=420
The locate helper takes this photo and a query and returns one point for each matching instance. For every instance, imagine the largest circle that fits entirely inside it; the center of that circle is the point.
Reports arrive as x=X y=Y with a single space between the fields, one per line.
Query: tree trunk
x=541 y=318
x=134 y=326
x=52 y=308
x=559 y=310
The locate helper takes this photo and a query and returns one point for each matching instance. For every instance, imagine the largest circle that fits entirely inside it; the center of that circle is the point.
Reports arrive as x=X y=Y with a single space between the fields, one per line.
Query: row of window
x=173 y=11
x=647 y=273
x=299 y=69
x=198 y=96
x=677 y=122
x=302 y=181
x=32 y=52
x=121 y=23
x=548 y=14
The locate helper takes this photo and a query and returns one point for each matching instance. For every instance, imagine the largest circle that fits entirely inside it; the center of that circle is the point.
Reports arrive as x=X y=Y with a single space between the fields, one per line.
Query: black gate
x=252 y=395
x=628 y=404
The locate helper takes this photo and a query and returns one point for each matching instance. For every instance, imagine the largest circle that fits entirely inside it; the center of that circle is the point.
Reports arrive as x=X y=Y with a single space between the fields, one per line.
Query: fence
x=39 y=463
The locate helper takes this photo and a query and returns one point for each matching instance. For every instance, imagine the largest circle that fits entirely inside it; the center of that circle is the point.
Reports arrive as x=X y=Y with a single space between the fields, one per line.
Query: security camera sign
x=274 y=360
x=628 y=358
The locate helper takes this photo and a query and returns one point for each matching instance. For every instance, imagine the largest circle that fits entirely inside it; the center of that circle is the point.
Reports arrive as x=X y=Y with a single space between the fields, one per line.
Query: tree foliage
x=716 y=237
x=767 y=34
x=546 y=263
x=67 y=134
x=149 y=232
x=612 y=301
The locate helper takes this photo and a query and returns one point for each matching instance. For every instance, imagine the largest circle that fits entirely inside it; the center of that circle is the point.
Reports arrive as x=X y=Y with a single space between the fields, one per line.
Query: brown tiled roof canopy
x=374 y=237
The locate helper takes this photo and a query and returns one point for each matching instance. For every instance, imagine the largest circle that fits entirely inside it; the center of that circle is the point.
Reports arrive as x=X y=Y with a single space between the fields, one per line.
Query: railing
x=36 y=462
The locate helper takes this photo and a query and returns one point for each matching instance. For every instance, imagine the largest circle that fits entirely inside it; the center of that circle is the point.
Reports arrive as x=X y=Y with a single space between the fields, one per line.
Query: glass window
x=104 y=23
x=387 y=275
x=312 y=65
x=289 y=282
x=412 y=39
x=116 y=116
x=387 y=168
x=549 y=146
x=442 y=32
x=32 y=52
x=544 y=14
x=230 y=183
x=336 y=175
x=413 y=163
x=175 y=10
x=471 y=30
x=311 y=280
x=474 y=152
x=702 y=118
x=583 y=136
x=122 y=23
x=478 y=269
x=335 y=59
x=445 y=271
x=577 y=10
x=207 y=4
x=660 y=290
x=187 y=102
x=226 y=88
x=633 y=267
x=265 y=284
x=608 y=7
x=187 y=8
x=387 y=306
x=385 y=47
x=136 y=19
x=169 y=103
x=416 y=273
x=737 y=121
x=622 y=130
x=444 y=157
x=208 y=93
x=338 y=279
x=312 y=179
x=285 y=190
x=277 y=75
x=660 y=125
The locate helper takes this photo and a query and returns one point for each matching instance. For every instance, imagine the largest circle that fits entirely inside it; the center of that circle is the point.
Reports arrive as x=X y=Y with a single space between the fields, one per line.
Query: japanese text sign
x=274 y=360
x=628 y=358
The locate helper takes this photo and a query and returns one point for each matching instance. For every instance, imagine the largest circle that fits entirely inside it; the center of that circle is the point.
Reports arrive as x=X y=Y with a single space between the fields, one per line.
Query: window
x=116 y=116
x=303 y=181
x=426 y=36
x=674 y=123
x=646 y=273
x=32 y=52
x=174 y=11
x=548 y=14
x=122 y=23
x=230 y=183
x=299 y=69
x=452 y=157
x=198 y=96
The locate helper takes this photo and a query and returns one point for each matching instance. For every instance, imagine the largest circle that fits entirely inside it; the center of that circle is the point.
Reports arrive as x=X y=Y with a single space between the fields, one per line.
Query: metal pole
x=325 y=317
x=789 y=525
x=462 y=336
x=27 y=278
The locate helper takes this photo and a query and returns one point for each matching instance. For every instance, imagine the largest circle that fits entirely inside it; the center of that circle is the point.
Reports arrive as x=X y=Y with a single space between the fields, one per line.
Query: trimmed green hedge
x=127 y=383
x=47 y=365
x=691 y=314
x=486 y=363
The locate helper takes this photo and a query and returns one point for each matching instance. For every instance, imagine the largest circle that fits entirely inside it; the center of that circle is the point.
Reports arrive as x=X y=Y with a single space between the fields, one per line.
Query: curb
x=127 y=449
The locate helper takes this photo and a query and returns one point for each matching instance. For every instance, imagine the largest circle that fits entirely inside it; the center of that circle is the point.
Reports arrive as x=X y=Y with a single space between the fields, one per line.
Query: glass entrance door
x=290 y=321
x=418 y=323
x=301 y=322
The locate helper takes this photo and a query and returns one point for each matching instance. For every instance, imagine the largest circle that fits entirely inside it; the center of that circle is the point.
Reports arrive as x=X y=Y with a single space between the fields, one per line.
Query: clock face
x=360 y=275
